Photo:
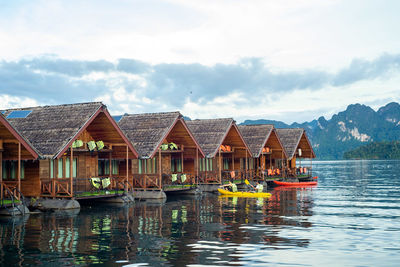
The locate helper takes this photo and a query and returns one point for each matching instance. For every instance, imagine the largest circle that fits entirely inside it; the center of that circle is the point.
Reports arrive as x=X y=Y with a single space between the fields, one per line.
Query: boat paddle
x=248 y=183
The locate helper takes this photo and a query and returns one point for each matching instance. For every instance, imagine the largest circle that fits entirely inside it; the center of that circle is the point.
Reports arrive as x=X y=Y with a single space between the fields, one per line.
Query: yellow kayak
x=242 y=194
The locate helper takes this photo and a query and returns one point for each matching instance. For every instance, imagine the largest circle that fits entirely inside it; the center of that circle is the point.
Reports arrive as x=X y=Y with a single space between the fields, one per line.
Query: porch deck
x=83 y=188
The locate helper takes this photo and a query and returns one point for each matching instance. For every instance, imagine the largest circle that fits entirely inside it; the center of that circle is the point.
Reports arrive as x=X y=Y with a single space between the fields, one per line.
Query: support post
x=197 y=165
x=19 y=169
x=246 y=166
x=270 y=160
x=110 y=163
x=233 y=162
x=220 y=166
x=71 y=176
x=160 y=168
x=1 y=175
x=182 y=161
x=262 y=166
x=127 y=169
x=282 y=162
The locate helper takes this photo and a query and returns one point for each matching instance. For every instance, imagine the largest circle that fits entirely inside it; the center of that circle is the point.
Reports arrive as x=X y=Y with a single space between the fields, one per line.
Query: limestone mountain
x=357 y=125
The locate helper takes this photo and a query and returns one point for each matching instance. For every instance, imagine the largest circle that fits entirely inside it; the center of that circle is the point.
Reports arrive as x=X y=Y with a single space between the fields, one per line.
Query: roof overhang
x=19 y=137
x=88 y=122
x=232 y=124
x=178 y=119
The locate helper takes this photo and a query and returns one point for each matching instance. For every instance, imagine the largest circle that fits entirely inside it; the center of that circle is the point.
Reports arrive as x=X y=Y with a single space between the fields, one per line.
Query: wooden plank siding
x=52 y=131
x=148 y=132
x=30 y=185
x=268 y=154
x=13 y=147
x=213 y=133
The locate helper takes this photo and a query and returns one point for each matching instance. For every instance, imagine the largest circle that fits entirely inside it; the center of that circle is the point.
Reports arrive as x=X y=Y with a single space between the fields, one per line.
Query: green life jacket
x=234 y=188
x=91 y=145
x=100 y=145
x=260 y=188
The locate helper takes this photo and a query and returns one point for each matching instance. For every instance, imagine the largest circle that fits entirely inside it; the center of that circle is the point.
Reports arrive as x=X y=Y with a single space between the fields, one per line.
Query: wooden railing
x=56 y=187
x=9 y=190
x=11 y=196
x=190 y=179
x=236 y=175
x=208 y=177
x=146 y=181
x=62 y=187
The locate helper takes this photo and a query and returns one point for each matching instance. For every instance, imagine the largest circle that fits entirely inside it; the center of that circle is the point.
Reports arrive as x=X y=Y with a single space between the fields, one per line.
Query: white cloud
x=287 y=34
x=8 y=101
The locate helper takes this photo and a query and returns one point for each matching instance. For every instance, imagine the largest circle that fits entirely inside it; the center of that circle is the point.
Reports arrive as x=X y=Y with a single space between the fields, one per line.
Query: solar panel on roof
x=19 y=114
x=117 y=118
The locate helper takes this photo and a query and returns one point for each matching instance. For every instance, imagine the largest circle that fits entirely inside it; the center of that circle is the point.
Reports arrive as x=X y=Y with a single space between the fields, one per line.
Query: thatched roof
x=210 y=133
x=256 y=136
x=50 y=128
x=148 y=130
x=290 y=139
x=10 y=132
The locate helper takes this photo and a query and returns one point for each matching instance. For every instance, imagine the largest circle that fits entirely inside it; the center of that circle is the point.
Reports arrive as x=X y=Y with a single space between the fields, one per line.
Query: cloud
x=75 y=68
x=130 y=85
x=132 y=66
x=361 y=69
x=43 y=80
x=7 y=101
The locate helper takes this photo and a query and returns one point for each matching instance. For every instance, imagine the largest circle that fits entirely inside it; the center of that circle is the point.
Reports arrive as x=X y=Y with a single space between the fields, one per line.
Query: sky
x=286 y=60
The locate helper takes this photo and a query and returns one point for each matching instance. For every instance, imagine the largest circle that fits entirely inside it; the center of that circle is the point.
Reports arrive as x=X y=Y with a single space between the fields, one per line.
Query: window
x=10 y=169
x=51 y=168
x=115 y=166
x=148 y=166
x=104 y=167
x=176 y=165
x=64 y=168
x=67 y=168
x=250 y=163
x=60 y=168
x=75 y=168
x=226 y=162
x=205 y=164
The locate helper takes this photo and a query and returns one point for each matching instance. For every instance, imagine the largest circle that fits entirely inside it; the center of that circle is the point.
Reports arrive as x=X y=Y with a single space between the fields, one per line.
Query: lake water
x=352 y=218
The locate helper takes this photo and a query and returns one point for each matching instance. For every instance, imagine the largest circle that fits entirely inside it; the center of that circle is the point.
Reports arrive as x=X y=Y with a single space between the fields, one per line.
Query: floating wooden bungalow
x=227 y=154
x=168 y=153
x=73 y=151
x=16 y=156
x=297 y=146
x=268 y=155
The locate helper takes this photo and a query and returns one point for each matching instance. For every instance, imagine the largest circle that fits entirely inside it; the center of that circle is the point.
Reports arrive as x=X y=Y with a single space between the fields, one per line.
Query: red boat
x=297 y=183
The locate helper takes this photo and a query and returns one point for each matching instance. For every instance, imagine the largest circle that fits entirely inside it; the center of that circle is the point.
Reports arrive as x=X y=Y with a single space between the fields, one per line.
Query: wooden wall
x=189 y=166
x=166 y=163
x=30 y=185
x=122 y=168
x=134 y=166
x=44 y=169
x=87 y=166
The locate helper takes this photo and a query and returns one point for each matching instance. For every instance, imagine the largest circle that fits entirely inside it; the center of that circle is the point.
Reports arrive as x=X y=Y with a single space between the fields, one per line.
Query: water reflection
x=354 y=205
x=179 y=232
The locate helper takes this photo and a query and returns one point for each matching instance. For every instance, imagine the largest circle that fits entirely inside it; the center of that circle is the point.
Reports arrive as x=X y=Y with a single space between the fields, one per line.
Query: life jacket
x=260 y=188
x=234 y=188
